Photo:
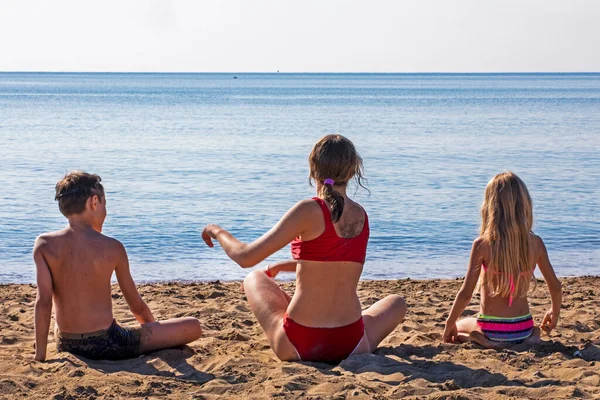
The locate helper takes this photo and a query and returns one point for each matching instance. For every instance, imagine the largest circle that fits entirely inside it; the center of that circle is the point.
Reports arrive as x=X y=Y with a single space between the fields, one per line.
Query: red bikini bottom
x=324 y=344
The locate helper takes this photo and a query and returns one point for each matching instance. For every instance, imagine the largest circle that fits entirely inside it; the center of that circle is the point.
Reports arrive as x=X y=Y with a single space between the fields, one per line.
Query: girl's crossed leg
x=269 y=304
x=469 y=331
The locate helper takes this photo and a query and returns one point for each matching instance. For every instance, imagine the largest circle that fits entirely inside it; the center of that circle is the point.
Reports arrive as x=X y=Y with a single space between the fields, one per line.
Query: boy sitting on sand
x=74 y=267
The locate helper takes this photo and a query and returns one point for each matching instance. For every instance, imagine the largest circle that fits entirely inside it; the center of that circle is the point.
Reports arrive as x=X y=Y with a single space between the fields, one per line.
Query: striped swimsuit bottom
x=501 y=329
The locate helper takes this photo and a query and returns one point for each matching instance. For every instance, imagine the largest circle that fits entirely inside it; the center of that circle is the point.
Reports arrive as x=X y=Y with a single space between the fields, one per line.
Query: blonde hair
x=506 y=222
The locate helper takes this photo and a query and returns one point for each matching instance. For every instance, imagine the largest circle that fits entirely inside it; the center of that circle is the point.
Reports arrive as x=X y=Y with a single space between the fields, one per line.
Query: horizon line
x=298 y=72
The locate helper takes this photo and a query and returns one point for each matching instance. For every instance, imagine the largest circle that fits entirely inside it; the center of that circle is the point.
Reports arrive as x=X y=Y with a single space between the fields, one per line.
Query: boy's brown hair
x=73 y=191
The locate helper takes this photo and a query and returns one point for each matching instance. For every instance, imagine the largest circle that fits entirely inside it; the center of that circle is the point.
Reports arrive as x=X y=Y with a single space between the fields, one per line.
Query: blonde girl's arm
x=554 y=286
x=293 y=224
x=463 y=298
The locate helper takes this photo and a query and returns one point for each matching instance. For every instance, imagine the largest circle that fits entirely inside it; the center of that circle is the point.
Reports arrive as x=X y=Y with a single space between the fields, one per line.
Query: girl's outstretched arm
x=463 y=298
x=294 y=223
x=551 y=318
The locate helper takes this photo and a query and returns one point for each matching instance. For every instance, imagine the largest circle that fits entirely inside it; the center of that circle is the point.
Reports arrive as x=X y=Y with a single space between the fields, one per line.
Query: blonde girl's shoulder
x=481 y=244
x=481 y=249
x=536 y=239
x=539 y=245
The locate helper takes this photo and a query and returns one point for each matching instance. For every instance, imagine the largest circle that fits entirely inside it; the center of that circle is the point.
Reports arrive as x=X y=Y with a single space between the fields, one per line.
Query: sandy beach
x=232 y=359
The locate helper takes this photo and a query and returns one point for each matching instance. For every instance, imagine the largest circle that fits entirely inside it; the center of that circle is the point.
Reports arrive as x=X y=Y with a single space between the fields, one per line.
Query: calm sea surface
x=178 y=151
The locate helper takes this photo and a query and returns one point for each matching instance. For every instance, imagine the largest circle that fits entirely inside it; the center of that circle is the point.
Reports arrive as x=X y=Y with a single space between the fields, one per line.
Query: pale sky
x=300 y=36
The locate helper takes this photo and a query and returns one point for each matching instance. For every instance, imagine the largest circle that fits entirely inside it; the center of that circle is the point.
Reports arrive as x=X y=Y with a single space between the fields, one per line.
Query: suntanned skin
x=466 y=329
x=325 y=293
x=74 y=268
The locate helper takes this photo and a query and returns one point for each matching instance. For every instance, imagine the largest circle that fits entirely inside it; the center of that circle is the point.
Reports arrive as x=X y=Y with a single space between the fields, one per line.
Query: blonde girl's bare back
x=497 y=304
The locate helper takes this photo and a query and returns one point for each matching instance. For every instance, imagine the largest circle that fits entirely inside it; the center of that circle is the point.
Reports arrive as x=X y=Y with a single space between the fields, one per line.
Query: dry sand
x=233 y=359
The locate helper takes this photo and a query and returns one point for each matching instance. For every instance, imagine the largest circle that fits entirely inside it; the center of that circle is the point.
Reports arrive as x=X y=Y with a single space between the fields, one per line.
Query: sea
x=179 y=151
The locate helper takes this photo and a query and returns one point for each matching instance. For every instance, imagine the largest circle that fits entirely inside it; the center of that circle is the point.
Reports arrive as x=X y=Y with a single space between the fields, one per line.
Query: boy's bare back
x=74 y=268
x=81 y=262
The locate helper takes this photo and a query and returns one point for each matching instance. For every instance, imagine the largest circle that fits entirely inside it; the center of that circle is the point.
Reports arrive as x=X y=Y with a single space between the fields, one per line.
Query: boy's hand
x=549 y=322
x=450 y=333
x=210 y=232
x=40 y=356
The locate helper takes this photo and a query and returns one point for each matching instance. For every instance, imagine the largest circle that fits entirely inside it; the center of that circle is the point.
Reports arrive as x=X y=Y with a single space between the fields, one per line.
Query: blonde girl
x=503 y=259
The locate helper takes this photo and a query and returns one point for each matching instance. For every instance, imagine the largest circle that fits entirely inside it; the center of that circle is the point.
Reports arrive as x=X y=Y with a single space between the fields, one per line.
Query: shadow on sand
x=157 y=364
x=411 y=362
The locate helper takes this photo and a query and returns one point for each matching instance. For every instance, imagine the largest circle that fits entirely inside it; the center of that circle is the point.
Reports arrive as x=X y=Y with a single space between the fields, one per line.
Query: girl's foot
x=480 y=339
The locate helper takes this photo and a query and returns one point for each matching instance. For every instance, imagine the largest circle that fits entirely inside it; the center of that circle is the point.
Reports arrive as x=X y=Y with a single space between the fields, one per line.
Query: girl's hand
x=549 y=322
x=210 y=232
x=271 y=271
x=450 y=333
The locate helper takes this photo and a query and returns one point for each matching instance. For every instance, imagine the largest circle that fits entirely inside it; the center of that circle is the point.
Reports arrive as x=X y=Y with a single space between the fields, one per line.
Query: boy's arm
x=43 y=302
x=551 y=318
x=138 y=307
x=463 y=298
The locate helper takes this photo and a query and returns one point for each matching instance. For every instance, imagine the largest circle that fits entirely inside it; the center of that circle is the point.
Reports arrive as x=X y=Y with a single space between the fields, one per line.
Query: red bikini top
x=329 y=246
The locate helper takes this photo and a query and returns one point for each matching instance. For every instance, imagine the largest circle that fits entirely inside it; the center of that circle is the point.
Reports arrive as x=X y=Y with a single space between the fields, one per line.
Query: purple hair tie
x=329 y=181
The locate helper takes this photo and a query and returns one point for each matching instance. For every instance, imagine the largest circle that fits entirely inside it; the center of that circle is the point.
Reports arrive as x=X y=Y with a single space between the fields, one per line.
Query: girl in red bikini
x=324 y=320
x=503 y=259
